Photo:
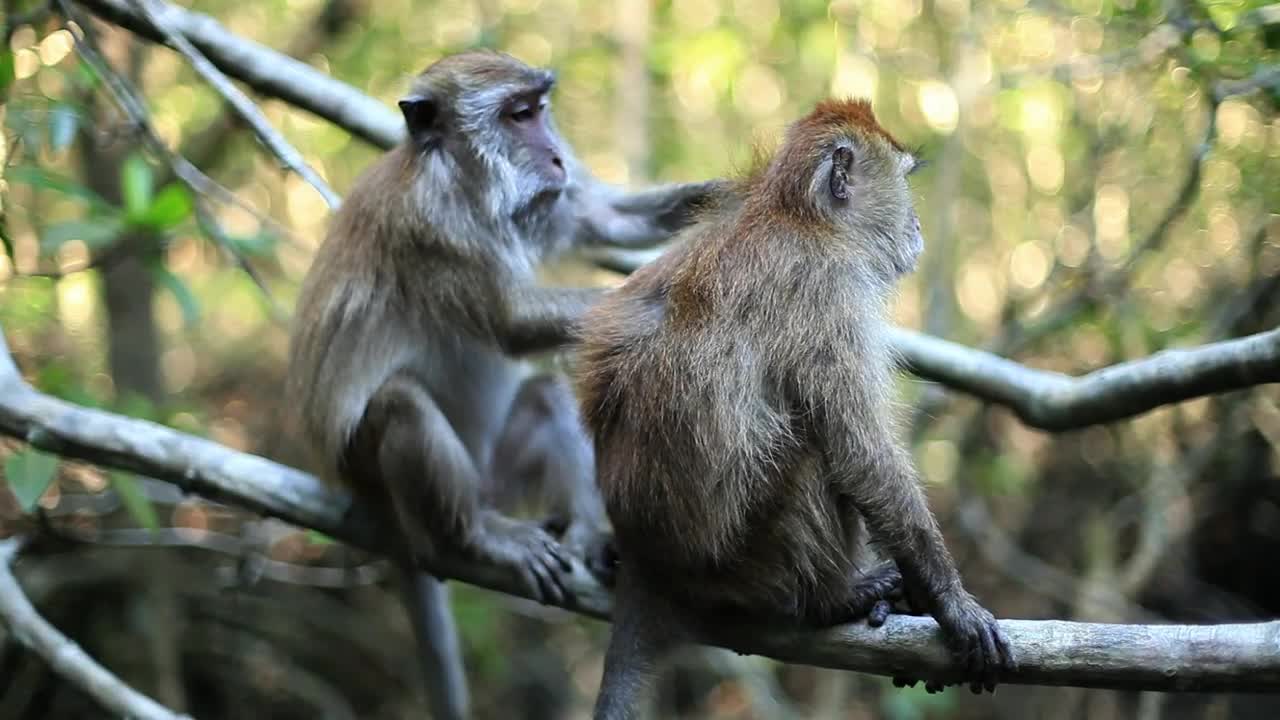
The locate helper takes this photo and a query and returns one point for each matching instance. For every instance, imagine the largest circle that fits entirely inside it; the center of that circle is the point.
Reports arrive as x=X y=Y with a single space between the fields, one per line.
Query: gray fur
x=403 y=362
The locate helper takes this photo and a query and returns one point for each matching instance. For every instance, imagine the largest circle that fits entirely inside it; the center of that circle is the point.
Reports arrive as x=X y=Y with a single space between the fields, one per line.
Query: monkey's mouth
x=541 y=202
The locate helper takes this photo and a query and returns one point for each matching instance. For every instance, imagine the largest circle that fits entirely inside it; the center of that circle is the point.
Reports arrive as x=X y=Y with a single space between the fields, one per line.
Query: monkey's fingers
x=556 y=562
x=974 y=666
x=1008 y=662
x=560 y=554
x=879 y=613
x=991 y=659
x=548 y=585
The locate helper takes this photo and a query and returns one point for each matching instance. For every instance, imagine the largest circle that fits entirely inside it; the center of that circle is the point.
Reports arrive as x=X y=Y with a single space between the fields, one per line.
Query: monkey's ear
x=420 y=114
x=841 y=164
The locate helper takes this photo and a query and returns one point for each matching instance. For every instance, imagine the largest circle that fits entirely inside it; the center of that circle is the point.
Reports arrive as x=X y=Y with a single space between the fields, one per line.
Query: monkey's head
x=840 y=171
x=488 y=114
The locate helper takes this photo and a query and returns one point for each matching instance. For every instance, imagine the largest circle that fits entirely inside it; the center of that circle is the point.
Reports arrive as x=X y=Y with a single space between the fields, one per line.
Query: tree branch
x=1237 y=658
x=1053 y=401
x=267 y=71
x=64 y=656
x=157 y=13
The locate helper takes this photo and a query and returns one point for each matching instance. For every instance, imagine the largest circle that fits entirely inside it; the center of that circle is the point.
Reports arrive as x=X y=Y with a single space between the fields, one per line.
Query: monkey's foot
x=588 y=541
x=977 y=644
x=598 y=552
x=930 y=686
x=871 y=596
x=540 y=561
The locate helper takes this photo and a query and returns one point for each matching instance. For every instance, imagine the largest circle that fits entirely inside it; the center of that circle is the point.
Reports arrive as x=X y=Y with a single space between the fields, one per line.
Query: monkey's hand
x=606 y=216
x=977 y=643
x=539 y=560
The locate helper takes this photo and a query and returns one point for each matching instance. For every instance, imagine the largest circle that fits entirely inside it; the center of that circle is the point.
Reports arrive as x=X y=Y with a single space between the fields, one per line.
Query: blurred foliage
x=1103 y=183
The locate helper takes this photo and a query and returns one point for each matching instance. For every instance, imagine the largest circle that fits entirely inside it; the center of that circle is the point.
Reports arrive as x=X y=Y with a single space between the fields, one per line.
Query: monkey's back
x=712 y=479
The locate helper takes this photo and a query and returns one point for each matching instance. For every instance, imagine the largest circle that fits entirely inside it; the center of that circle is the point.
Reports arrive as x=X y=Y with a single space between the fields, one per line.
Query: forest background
x=1103 y=184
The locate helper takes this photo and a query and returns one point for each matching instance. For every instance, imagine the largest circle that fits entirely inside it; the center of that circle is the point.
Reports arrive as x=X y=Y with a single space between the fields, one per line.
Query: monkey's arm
x=607 y=215
x=538 y=319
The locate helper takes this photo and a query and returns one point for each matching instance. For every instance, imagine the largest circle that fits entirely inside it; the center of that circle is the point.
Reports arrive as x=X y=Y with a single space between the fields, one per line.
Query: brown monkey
x=403 y=350
x=739 y=389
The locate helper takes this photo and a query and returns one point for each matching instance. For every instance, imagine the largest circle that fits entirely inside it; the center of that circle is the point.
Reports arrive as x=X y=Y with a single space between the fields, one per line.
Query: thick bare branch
x=1243 y=658
x=64 y=656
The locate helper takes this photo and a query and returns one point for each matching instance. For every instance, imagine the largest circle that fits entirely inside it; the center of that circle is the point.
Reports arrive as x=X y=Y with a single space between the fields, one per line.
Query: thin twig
x=62 y=654
x=157 y=14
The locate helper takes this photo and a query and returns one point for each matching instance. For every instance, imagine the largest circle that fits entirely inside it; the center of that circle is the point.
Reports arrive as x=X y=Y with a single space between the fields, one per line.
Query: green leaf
x=171 y=206
x=136 y=184
x=94 y=233
x=135 y=501
x=30 y=472
x=174 y=284
x=318 y=538
x=43 y=180
x=64 y=120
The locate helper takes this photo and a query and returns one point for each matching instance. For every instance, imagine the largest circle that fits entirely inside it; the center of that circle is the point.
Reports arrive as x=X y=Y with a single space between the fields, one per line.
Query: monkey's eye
x=524 y=112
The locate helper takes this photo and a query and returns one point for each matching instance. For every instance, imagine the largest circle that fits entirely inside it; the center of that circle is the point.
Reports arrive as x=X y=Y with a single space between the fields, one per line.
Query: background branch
x=65 y=657
x=1053 y=401
x=267 y=71
x=157 y=13
x=1138 y=657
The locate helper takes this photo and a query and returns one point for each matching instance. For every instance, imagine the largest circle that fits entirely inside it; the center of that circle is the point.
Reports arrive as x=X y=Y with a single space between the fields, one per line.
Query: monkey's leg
x=433 y=482
x=543 y=449
x=645 y=630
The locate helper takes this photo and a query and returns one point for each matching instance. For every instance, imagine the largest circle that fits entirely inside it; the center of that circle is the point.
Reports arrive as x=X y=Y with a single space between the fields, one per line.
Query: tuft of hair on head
x=760 y=154
x=849 y=114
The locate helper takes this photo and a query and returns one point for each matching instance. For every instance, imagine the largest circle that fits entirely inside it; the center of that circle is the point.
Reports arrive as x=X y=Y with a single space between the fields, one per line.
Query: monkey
x=738 y=390
x=408 y=352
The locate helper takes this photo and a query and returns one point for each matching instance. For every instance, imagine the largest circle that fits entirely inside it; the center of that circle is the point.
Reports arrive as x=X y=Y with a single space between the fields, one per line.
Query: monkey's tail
x=646 y=628
x=427 y=601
